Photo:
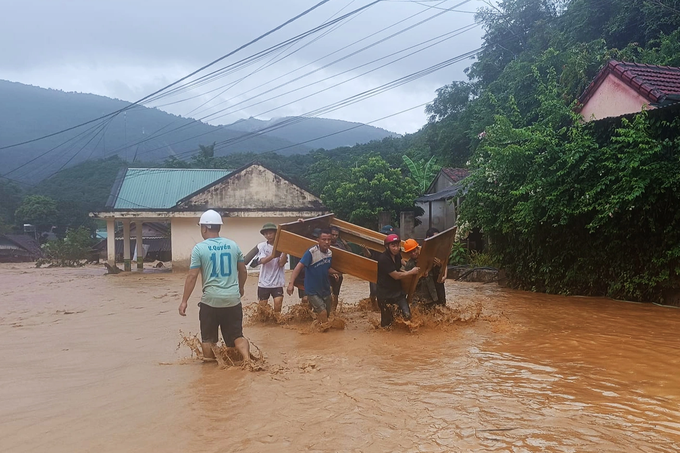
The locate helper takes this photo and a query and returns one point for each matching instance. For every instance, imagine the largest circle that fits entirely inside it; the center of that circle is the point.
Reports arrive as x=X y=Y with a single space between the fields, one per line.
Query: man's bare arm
x=296 y=272
x=189 y=285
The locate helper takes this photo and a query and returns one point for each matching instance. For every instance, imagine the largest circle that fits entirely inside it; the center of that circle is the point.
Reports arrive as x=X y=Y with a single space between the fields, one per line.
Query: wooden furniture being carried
x=295 y=238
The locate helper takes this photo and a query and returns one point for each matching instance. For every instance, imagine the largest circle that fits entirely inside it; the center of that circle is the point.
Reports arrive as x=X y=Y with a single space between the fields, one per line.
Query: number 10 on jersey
x=225 y=268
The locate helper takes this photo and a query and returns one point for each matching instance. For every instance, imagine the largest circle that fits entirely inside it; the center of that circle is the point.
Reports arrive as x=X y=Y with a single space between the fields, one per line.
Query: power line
x=177 y=81
x=198 y=121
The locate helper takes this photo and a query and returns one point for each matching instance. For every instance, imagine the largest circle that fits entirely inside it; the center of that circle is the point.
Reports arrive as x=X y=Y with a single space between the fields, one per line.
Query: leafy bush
x=459 y=254
x=72 y=251
x=581 y=208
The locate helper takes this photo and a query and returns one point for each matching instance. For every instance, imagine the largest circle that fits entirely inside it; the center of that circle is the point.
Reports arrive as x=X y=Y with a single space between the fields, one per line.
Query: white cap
x=210 y=217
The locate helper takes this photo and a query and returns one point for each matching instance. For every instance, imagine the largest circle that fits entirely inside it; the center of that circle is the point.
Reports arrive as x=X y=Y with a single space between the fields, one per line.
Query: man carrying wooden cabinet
x=317 y=265
x=389 y=291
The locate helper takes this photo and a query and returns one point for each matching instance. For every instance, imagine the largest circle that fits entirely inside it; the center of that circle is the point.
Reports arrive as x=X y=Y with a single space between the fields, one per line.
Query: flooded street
x=90 y=363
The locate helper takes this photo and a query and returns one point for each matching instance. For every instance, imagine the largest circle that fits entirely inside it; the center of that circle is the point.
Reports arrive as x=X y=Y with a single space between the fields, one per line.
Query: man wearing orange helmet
x=425 y=290
x=389 y=291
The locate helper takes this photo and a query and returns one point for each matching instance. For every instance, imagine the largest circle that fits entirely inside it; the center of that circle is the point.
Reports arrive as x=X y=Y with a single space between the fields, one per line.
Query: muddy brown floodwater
x=90 y=363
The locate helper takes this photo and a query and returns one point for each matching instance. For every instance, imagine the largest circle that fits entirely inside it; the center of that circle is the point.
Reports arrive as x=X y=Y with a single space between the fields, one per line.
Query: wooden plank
x=438 y=246
x=304 y=228
x=360 y=235
x=290 y=238
x=343 y=261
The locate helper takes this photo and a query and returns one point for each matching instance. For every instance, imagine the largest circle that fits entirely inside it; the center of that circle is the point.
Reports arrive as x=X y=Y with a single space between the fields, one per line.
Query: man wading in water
x=224 y=274
x=389 y=290
x=317 y=264
x=272 y=278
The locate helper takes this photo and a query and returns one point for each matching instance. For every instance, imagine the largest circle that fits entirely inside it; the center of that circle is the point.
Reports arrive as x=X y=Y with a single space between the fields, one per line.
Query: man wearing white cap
x=223 y=271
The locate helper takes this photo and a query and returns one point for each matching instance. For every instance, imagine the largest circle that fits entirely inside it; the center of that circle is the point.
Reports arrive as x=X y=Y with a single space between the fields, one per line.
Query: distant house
x=622 y=88
x=19 y=247
x=247 y=198
x=441 y=200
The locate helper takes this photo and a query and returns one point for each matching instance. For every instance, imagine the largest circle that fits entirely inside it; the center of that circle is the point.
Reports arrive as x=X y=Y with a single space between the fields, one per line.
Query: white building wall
x=245 y=231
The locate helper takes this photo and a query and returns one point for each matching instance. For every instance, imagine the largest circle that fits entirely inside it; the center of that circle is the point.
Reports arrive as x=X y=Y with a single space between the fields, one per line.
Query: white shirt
x=271 y=274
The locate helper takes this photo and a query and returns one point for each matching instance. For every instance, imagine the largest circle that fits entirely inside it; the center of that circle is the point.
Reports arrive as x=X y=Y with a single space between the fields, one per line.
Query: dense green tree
x=38 y=210
x=368 y=189
x=580 y=208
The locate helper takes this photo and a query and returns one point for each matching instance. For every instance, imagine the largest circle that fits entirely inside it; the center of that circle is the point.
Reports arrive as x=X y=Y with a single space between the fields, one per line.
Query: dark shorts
x=264 y=293
x=227 y=319
x=335 y=284
x=372 y=287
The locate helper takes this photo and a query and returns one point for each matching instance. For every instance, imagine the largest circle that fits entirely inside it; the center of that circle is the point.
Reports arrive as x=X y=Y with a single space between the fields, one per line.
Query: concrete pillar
x=384 y=218
x=407 y=225
x=127 y=265
x=111 y=241
x=140 y=244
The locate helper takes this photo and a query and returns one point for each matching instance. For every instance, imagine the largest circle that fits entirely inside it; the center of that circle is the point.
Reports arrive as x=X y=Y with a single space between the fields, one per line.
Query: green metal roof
x=160 y=188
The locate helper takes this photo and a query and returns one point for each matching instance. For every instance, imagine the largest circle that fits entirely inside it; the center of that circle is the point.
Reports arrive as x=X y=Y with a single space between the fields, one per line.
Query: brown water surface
x=90 y=363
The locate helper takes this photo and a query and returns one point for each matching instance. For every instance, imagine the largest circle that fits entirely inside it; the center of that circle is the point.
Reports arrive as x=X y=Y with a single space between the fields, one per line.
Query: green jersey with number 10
x=218 y=260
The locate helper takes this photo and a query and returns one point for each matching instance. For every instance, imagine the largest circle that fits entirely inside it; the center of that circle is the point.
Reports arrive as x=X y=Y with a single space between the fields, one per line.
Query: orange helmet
x=410 y=245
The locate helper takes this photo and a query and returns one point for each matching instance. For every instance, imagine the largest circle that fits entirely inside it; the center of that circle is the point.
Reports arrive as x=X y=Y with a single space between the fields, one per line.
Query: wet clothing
x=317 y=264
x=265 y=293
x=335 y=284
x=438 y=287
x=271 y=274
x=388 y=290
x=319 y=303
x=227 y=319
x=426 y=290
x=218 y=260
x=388 y=287
x=387 y=307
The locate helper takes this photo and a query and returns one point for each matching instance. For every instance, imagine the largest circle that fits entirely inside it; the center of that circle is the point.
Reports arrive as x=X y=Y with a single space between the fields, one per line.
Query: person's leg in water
x=336 y=283
x=386 y=316
x=231 y=323
x=209 y=323
x=375 y=305
x=278 y=304
x=402 y=303
x=320 y=305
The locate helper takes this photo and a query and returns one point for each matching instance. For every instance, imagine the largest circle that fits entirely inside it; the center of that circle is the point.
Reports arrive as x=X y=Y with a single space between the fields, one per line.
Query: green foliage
x=482 y=259
x=422 y=172
x=80 y=190
x=10 y=199
x=204 y=157
x=459 y=254
x=71 y=251
x=38 y=210
x=360 y=193
x=581 y=208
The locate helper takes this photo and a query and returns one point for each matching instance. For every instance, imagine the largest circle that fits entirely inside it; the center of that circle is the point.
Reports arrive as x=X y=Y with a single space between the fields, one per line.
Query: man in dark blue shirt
x=317 y=265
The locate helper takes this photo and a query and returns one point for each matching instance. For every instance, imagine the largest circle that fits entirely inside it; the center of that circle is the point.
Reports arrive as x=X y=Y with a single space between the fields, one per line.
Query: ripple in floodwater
x=498 y=370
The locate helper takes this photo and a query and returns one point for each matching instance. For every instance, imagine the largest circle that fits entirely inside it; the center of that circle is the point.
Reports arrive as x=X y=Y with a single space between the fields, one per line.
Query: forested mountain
x=140 y=134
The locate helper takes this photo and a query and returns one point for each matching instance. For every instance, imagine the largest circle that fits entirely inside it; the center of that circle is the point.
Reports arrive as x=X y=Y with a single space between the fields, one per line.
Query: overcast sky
x=127 y=49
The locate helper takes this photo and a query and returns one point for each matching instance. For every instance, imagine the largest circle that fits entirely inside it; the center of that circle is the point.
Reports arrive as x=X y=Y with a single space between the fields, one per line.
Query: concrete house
x=622 y=88
x=247 y=198
x=441 y=201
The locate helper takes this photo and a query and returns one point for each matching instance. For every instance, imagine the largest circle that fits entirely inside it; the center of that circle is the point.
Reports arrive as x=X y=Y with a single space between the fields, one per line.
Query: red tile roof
x=456 y=174
x=658 y=84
